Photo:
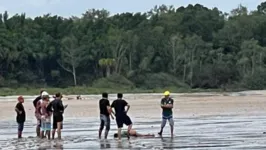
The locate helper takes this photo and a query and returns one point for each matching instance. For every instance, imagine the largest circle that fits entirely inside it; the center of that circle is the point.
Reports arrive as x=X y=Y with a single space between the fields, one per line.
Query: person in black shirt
x=57 y=107
x=121 y=115
x=21 y=115
x=105 y=112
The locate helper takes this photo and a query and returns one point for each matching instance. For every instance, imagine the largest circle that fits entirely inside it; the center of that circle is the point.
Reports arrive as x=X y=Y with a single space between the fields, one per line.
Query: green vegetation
x=182 y=49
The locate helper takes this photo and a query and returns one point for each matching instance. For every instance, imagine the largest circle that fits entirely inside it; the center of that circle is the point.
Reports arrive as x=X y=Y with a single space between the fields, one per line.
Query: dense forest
x=185 y=47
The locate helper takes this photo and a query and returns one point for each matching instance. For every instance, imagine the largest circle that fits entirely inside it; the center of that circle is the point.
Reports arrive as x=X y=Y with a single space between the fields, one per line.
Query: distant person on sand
x=35 y=101
x=121 y=115
x=134 y=133
x=45 y=116
x=167 y=113
x=105 y=112
x=57 y=107
x=79 y=97
x=21 y=115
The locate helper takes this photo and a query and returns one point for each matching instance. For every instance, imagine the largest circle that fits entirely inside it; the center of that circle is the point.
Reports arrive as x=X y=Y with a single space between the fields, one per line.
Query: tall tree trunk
x=184 y=73
x=191 y=68
x=253 y=63
x=74 y=75
x=108 y=71
x=130 y=61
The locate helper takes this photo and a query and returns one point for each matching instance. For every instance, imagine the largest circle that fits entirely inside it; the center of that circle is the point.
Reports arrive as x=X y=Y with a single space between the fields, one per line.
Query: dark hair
x=119 y=95
x=105 y=95
x=58 y=95
x=41 y=91
x=115 y=135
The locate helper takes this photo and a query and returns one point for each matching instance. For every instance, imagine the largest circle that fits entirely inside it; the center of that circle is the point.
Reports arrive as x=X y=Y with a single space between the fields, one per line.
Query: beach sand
x=202 y=121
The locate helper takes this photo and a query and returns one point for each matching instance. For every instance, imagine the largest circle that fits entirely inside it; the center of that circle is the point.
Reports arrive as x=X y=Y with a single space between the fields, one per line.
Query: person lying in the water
x=133 y=132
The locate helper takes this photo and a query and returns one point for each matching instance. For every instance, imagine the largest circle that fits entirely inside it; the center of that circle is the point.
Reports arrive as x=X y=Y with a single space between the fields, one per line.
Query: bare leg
x=48 y=133
x=19 y=134
x=119 y=133
x=59 y=130
x=100 y=133
x=38 y=131
x=171 y=122
x=101 y=129
x=53 y=133
x=128 y=131
x=41 y=134
x=106 y=134
x=162 y=126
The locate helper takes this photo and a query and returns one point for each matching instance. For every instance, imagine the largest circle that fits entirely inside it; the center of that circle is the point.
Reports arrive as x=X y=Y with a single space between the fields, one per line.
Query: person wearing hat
x=45 y=116
x=167 y=113
x=37 y=114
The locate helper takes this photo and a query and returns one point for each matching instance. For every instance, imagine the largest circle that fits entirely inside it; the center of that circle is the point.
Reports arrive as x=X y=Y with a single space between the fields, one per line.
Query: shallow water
x=201 y=133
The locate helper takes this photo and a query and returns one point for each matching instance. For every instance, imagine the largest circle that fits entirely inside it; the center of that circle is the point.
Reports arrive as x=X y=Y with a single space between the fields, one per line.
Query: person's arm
x=170 y=104
x=60 y=105
x=112 y=107
x=128 y=106
x=18 y=109
x=38 y=106
x=162 y=103
x=49 y=107
x=109 y=109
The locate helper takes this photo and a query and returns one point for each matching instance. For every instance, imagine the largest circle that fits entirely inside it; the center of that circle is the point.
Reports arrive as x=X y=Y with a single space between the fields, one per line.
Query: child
x=21 y=115
x=46 y=117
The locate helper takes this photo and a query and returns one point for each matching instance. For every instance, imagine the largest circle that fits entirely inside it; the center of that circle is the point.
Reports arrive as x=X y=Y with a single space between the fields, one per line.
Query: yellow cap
x=166 y=93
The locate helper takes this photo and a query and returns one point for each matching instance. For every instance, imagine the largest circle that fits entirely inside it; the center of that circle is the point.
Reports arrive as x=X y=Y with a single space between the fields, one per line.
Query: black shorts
x=20 y=126
x=123 y=119
x=56 y=119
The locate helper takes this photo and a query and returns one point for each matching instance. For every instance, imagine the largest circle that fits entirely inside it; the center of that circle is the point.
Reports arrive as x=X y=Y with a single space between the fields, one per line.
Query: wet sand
x=202 y=121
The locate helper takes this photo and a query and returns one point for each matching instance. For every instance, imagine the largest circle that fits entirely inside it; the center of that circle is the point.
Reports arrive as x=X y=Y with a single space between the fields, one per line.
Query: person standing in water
x=45 y=117
x=21 y=115
x=57 y=107
x=105 y=112
x=167 y=113
x=37 y=114
x=121 y=115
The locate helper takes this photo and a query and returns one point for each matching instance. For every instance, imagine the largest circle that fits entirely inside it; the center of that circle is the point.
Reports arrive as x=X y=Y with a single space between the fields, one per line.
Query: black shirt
x=119 y=106
x=36 y=100
x=103 y=103
x=21 y=118
x=56 y=106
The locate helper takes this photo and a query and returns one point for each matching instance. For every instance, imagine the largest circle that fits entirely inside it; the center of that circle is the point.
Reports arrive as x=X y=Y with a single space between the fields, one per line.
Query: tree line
x=187 y=47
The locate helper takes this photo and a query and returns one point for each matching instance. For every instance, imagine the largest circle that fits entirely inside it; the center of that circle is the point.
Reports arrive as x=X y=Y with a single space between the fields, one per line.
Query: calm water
x=212 y=132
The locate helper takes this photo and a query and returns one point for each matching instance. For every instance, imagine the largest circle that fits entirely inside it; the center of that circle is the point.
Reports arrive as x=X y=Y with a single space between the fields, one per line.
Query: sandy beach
x=202 y=121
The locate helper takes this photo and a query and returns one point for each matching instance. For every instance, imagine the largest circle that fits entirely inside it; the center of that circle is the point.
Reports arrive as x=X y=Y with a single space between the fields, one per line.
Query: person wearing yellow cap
x=167 y=113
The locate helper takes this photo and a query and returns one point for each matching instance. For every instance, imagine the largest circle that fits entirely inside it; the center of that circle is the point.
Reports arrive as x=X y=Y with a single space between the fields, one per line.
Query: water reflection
x=167 y=142
x=105 y=144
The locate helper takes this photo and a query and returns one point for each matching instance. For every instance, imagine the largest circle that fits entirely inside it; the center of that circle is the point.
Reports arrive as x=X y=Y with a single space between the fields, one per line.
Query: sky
x=68 y=8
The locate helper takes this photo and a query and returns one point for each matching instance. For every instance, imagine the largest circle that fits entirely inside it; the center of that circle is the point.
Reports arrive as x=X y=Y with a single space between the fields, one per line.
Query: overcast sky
x=67 y=8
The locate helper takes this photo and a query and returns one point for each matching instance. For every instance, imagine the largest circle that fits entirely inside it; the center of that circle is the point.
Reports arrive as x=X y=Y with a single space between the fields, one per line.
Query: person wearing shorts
x=167 y=113
x=121 y=115
x=45 y=117
x=21 y=115
x=57 y=107
x=105 y=112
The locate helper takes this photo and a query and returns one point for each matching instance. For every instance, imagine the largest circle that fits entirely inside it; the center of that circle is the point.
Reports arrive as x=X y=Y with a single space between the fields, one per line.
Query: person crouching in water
x=45 y=118
x=21 y=115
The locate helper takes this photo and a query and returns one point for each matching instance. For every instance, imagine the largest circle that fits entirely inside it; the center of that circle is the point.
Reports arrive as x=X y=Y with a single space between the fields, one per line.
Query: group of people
x=44 y=110
x=117 y=109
